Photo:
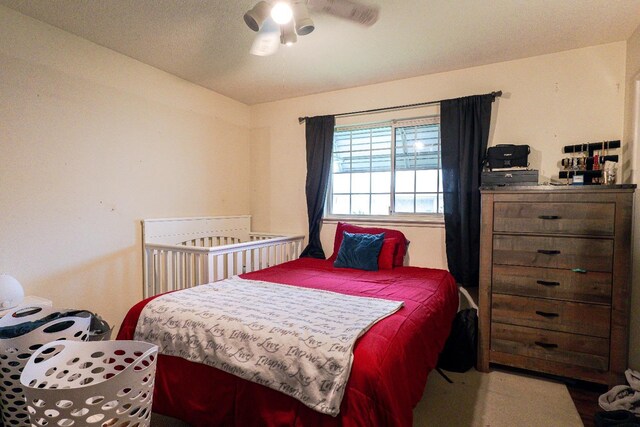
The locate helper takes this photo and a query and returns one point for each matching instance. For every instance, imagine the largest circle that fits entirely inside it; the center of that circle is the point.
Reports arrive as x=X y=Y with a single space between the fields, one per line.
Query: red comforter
x=390 y=368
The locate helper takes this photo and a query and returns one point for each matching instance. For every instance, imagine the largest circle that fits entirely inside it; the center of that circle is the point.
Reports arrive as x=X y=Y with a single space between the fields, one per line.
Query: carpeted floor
x=162 y=421
x=474 y=399
x=496 y=399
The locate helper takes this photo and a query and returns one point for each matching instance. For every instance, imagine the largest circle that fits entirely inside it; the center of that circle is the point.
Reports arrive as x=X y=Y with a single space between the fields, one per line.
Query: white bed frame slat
x=181 y=253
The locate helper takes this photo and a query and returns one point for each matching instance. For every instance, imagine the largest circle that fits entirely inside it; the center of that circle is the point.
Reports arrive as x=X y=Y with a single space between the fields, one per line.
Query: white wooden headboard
x=173 y=231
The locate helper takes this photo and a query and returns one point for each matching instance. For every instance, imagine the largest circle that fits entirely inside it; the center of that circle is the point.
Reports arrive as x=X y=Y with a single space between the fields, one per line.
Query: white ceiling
x=207 y=42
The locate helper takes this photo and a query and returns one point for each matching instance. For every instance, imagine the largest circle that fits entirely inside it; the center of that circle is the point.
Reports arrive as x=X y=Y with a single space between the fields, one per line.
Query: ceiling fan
x=281 y=22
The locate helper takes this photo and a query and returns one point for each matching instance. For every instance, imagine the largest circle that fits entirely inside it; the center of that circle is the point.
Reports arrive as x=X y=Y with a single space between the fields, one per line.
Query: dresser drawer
x=592 y=286
x=555 y=315
x=554 y=252
x=555 y=218
x=577 y=350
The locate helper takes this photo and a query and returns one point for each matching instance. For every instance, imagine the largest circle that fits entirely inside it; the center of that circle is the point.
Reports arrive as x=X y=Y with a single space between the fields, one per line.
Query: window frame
x=393 y=216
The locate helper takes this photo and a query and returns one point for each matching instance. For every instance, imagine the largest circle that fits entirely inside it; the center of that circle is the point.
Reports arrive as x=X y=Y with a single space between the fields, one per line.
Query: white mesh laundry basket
x=15 y=352
x=96 y=383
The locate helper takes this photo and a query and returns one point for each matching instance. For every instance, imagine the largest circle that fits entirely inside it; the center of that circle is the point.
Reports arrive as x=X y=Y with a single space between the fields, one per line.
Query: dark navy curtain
x=319 y=135
x=464 y=133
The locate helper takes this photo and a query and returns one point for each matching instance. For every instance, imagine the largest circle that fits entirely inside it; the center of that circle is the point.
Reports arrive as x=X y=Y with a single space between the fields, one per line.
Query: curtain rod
x=397 y=107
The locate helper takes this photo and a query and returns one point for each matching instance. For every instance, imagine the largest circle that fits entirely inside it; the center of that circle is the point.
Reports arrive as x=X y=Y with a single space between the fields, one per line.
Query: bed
x=391 y=360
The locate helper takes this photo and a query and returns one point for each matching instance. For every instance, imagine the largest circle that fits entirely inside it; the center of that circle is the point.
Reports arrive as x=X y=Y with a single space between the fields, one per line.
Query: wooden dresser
x=555 y=280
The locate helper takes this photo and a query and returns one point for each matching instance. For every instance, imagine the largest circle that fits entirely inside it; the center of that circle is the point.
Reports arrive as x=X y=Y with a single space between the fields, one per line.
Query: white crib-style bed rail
x=184 y=252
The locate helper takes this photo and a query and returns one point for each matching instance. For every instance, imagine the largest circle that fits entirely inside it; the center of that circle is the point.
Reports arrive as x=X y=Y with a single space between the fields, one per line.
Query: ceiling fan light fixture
x=304 y=24
x=282 y=21
x=288 y=34
x=281 y=12
x=257 y=15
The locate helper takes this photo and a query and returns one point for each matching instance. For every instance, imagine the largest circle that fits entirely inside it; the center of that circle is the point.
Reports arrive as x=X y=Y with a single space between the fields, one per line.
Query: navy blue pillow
x=359 y=251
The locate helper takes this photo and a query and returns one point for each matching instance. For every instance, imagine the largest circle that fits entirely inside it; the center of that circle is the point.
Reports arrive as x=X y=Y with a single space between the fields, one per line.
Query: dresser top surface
x=558 y=188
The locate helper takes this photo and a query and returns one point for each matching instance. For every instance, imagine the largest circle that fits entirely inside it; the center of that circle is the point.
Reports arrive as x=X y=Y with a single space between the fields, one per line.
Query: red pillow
x=398 y=257
x=387 y=253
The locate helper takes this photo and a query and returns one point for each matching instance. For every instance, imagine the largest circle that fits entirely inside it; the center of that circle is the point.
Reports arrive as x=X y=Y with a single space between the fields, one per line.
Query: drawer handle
x=548 y=217
x=579 y=270
x=545 y=283
x=546 y=314
x=548 y=252
x=546 y=345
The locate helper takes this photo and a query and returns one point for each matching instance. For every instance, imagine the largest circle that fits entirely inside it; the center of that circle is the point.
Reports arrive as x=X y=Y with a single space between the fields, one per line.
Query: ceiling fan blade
x=348 y=9
x=265 y=44
x=267 y=40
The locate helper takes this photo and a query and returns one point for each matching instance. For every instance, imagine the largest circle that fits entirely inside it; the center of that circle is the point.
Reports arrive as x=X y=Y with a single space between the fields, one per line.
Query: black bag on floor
x=460 y=350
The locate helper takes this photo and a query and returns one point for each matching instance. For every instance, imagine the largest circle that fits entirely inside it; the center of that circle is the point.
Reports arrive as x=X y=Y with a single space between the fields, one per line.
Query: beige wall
x=549 y=101
x=91 y=142
x=632 y=136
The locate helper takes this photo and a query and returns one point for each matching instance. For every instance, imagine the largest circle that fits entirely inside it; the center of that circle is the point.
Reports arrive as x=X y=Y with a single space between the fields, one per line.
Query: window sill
x=399 y=220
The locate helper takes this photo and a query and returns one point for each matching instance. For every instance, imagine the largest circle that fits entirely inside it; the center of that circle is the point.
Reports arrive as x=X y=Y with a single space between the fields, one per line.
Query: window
x=386 y=169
